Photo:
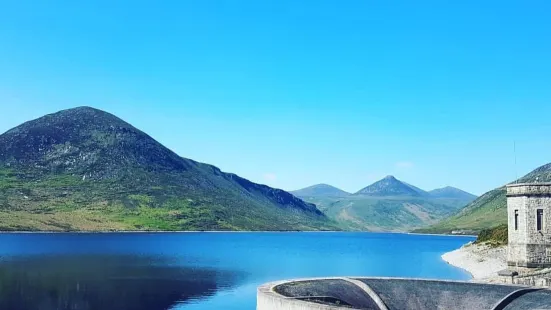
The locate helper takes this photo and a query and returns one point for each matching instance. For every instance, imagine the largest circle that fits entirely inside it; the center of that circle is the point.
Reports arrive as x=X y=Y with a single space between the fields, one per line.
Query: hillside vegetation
x=494 y=236
x=388 y=205
x=488 y=211
x=85 y=169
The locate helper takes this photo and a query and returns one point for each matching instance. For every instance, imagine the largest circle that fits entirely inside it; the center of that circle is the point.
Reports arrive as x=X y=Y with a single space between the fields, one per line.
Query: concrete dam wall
x=397 y=294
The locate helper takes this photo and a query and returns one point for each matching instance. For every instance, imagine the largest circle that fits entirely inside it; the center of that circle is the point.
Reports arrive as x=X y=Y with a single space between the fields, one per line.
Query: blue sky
x=294 y=93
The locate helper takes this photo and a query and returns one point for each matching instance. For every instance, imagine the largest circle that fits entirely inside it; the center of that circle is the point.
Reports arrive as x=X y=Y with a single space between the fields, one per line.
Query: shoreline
x=164 y=231
x=481 y=261
x=221 y=231
x=447 y=235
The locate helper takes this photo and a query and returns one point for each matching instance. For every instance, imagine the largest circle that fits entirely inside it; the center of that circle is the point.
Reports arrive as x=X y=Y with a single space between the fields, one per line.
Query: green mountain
x=320 y=190
x=389 y=205
x=390 y=186
x=85 y=169
x=488 y=211
x=451 y=192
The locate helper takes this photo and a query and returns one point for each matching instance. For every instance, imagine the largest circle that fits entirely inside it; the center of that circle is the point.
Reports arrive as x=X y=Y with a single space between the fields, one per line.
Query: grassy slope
x=86 y=169
x=495 y=236
x=385 y=214
x=68 y=203
x=488 y=211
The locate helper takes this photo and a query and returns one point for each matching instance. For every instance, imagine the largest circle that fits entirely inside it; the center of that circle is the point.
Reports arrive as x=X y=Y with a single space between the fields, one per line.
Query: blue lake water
x=199 y=270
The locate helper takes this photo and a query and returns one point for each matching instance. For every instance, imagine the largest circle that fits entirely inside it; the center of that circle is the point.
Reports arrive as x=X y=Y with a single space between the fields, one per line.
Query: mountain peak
x=320 y=190
x=84 y=141
x=452 y=192
x=70 y=120
x=321 y=185
x=82 y=158
x=83 y=108
x=390 y=186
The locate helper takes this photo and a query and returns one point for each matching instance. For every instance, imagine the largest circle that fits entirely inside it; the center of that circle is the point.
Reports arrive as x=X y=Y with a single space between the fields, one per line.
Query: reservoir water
x=149 y=271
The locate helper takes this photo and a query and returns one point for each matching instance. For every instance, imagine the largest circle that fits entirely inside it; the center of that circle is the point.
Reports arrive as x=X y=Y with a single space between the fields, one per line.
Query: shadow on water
x=104 y=282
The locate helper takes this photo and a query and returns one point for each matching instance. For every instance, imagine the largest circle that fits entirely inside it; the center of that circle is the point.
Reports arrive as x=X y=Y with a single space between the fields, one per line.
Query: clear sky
x=293 y=93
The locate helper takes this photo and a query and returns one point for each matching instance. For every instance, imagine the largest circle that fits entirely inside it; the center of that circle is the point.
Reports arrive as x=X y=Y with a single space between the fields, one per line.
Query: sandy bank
x=481 y=261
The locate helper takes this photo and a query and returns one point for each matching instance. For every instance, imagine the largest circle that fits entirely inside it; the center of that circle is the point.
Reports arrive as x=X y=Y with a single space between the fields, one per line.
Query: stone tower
x=529 y=221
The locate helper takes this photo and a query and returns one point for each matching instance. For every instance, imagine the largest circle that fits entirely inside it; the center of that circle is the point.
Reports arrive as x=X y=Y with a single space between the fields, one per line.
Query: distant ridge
x=320 y=190
x=390 y=186
x=452 y=192
x=487 y=211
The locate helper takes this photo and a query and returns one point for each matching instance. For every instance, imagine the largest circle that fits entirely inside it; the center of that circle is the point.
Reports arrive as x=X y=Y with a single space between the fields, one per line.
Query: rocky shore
x=482 y=261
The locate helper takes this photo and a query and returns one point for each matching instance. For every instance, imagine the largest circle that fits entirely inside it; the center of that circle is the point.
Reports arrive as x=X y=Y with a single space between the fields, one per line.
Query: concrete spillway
x=397 y=294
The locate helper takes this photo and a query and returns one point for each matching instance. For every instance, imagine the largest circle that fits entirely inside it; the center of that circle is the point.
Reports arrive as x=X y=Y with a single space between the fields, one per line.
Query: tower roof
x=529 y=189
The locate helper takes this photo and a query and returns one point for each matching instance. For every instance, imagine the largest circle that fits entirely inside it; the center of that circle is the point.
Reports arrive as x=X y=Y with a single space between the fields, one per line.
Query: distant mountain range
x=386 y=205
x=389 y=186
x=489 y=210
x=85 y=169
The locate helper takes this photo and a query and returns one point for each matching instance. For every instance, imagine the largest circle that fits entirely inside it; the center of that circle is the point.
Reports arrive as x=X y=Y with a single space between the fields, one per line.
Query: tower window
x=539 y=219
x=516 y=219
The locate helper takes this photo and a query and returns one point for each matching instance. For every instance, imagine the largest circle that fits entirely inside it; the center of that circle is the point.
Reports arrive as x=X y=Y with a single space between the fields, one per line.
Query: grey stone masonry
x=529 y=222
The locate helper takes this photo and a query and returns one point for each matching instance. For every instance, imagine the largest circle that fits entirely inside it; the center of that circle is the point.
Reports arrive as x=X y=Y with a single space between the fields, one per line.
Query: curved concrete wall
x=397 y=294
x=268 y=299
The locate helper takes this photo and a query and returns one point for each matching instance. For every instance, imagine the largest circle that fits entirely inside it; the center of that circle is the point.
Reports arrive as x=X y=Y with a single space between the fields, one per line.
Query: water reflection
x=197 y=271
x=89 y=282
